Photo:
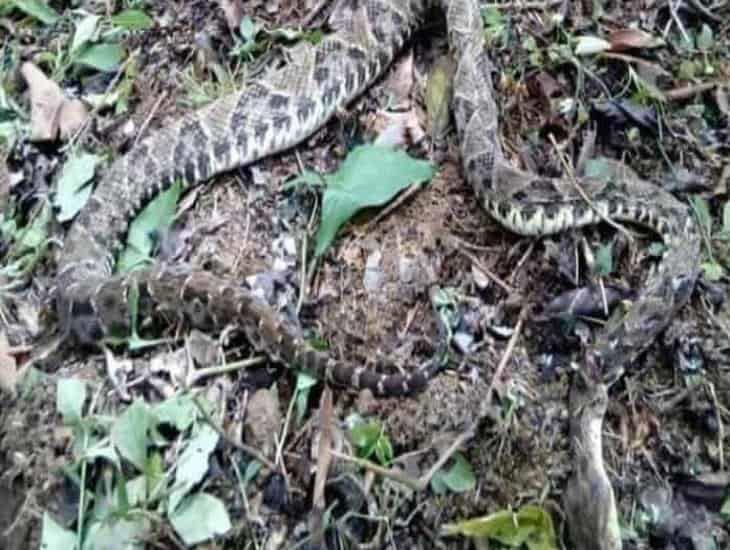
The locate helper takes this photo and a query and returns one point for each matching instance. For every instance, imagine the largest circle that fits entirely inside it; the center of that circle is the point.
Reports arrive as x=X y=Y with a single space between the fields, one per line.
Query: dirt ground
x=665 y=441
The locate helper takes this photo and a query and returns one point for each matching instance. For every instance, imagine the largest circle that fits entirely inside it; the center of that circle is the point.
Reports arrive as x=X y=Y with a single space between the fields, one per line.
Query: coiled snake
x=285 y=106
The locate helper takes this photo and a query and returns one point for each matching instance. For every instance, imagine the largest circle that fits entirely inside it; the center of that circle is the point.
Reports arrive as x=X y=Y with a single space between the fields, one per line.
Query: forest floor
x=155 y=442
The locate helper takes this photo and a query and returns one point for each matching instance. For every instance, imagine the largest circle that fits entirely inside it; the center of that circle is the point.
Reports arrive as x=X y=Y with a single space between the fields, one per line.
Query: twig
x=686 y=92
x=486 y=271
x=678 y=21
x=240 y=446
x=409 y=192
x=720 y=426
x=572 y=179
x=517 y=5
x=314 y=12
x=99 y=105
x=417 y=484
x=148 y=118
x=506 y=355
x=199 y=374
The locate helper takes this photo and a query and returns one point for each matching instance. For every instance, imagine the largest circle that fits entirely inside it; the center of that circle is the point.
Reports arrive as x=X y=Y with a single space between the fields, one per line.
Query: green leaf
x=531 y=526
x=178 y=411
x=85 y=30
x=702 y=212
x=133 y=20
x=199 y=518
x=307 y=177
x=459 y=478
x=725 y=232
x=370 y=176
x=600 y=169
x=193 y=463
x=70 y=398
x=55 y=537
x=706 y=39
x=38 y=9
x=118 y=533
x=712 y=271
x=370 y=438
x=604 y=259
x=33 y=236
x=305 y=382
x=102 y=57
x=129 y=433
x=72 y=190
x=105 y=451
x=384 y=450
x=248 y=29
x=157 y=216
x=252 y=470
x=725 y=509
x=657 y=249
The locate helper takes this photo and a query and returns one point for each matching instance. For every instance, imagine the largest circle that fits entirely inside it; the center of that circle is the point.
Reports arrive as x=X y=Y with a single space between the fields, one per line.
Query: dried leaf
x=438 y=95
x=8 y=371
x=263 y=420
x=628 y=39
x=46 y=100
x=73 y=115
x=591 y=45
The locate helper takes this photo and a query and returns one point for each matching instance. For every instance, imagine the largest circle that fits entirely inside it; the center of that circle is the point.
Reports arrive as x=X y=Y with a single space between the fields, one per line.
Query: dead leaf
x=46 y=100
x=438 y=96
x=544 y=86
x=263 y=420
x=204 y=350
x=8 y=369
x=119 y=371
x=629 y=39
x=233 y=12
x=72 y=117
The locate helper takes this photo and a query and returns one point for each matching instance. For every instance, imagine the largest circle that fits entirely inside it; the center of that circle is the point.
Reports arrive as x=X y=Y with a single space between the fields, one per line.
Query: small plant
x=137 y=488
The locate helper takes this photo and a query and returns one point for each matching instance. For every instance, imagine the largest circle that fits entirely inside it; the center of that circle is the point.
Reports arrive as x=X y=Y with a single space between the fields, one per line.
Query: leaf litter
x=520 y=453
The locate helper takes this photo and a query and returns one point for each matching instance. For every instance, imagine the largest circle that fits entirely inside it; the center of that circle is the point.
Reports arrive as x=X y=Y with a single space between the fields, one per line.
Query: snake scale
x=285 y=106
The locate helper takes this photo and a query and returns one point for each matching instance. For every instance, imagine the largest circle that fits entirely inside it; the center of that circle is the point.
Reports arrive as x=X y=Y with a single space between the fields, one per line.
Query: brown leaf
x=233 y=12
x=72 y=117
x=46 y=100
x=629 y=39
x=8 y=372
x=263 y=421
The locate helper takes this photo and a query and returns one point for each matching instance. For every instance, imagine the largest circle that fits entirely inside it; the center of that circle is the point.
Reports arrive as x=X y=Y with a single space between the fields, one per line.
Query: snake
x=279 y=109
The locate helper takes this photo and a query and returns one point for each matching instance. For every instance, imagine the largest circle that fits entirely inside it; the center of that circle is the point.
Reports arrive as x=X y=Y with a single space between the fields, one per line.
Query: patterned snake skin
x=284 y=107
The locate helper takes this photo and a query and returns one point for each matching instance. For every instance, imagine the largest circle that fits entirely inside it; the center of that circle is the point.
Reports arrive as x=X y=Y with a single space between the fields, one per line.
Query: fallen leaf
x=629 y=39
x=233 y=12
x=263 y=420
x=8 y=371
x=46 y=100
x=591 y=45
x=439 y=89
x=73 y=115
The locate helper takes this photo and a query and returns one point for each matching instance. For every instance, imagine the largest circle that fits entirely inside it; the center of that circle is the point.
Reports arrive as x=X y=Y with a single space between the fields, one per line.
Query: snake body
x=284 y=107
